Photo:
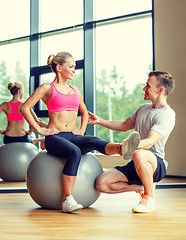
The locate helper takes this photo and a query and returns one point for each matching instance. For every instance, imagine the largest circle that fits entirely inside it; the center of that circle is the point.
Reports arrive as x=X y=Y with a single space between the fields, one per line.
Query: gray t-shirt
x=162 y=120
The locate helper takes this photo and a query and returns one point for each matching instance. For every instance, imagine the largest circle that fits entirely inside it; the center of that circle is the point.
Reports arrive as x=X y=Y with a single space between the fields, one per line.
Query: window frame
x=89 y=26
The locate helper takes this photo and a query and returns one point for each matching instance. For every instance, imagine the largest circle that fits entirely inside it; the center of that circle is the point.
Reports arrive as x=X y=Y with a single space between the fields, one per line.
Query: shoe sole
x=73 y=210
x=133 y=143
x=135 y=210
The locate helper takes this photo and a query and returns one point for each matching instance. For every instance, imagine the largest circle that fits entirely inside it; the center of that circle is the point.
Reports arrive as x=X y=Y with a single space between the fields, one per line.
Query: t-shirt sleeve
x=134 y=116
x=164 y=123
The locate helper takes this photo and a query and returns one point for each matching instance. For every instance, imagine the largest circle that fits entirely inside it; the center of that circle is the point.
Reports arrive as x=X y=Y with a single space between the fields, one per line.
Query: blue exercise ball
x=44 y=180
x=14 y=160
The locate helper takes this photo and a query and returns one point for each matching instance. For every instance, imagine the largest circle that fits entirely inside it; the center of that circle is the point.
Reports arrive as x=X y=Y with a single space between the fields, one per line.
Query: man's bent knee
x=100 y=184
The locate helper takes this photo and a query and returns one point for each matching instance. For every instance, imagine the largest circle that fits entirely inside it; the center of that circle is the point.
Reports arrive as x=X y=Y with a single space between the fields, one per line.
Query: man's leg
x=114 y=181
x=145 y=164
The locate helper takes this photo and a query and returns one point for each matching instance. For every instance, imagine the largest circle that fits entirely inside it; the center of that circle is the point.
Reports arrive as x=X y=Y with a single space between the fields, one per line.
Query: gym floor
x=110 y=217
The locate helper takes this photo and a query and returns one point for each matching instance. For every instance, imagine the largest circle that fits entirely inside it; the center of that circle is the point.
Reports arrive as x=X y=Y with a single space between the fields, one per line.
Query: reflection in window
x=123 y=60
x=14 y=66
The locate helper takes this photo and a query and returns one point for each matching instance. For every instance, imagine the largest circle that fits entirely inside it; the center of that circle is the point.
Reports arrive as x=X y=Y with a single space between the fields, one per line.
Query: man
x=154 y=122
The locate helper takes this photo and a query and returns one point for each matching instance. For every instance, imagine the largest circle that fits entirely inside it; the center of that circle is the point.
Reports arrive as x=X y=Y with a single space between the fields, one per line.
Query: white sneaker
x=70 y=205
x=146 y=205
x=129 y=145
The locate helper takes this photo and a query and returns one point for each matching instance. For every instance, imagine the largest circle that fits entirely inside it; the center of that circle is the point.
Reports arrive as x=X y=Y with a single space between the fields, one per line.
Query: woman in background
x=15 y=131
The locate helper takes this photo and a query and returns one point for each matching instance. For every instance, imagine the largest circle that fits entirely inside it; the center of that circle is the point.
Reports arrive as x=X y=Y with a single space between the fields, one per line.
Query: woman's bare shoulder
x=44 y=87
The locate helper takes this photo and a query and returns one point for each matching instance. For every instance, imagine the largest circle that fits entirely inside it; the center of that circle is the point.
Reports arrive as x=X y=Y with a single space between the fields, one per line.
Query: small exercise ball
x=14 y=160
x=44 y=180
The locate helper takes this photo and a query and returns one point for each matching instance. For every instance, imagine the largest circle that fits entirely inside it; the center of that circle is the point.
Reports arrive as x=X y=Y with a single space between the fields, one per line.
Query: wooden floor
x=109 y=218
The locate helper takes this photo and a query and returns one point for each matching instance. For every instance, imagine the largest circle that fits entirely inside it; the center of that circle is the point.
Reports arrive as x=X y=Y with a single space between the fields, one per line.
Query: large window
x=57 y=14
x=123 y=59
x=109 y=9
x=111 y=41
x=14 y=19
x=61 y=24
x=71 y=41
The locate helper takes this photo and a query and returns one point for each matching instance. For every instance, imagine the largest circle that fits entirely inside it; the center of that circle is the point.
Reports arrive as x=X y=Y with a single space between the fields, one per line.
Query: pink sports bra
x=63 y=102
x=14 y=115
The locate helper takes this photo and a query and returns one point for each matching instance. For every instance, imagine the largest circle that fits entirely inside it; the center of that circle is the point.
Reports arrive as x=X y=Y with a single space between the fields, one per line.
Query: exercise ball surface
x=44 y=180
x=14 y=160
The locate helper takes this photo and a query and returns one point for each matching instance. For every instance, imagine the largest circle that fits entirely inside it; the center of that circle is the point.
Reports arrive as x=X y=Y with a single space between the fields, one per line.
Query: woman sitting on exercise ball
x=15 y=131
x=63 y=139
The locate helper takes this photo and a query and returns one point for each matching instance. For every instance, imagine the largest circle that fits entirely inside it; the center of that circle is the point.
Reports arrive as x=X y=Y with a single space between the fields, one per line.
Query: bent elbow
x=23 y=109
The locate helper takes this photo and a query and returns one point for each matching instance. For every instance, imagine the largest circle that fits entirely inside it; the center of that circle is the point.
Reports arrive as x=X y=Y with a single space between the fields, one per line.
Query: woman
x=62 y=138
x=15 y=131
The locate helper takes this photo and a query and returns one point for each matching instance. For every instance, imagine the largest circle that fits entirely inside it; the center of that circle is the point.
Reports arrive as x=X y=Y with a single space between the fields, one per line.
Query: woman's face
x=68 y=68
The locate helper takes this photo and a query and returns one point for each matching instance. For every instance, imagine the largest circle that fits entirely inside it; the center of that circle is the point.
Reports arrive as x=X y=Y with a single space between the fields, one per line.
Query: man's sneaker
x=140 y=194
x=70 y=205
x=129 y=145
x=146 y=205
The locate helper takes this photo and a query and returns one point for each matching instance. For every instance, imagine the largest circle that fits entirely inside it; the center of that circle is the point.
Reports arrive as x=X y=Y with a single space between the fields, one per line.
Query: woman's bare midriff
x=63 y=121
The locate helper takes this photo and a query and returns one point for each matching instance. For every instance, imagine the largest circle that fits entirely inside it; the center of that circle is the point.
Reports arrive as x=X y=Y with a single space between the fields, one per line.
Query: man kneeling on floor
x=154 y=123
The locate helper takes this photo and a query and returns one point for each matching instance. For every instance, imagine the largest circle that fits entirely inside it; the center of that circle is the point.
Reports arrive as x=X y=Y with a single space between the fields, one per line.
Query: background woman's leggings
x=25 y=138
x=69 y=146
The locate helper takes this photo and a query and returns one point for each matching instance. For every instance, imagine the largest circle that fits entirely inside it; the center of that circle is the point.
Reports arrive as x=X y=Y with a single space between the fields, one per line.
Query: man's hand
x=93 y=118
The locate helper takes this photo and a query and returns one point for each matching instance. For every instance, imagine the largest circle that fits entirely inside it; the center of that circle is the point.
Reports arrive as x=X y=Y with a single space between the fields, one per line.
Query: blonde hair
x=59 y=59
x=14 y=87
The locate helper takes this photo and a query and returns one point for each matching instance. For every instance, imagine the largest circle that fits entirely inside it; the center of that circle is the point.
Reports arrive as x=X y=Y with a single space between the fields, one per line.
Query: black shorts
x=129 y=171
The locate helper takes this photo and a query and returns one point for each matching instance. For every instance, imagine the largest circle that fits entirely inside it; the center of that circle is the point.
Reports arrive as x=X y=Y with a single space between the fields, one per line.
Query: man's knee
x=142 y=157
x=100 y=184
x=138 y=156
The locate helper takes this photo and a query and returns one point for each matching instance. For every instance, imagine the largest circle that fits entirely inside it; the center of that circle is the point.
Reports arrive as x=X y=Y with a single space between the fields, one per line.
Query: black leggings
x=70 y=147
x=25 y=138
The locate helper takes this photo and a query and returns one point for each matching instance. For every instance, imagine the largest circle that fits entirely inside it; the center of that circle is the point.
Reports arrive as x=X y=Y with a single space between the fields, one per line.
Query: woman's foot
x=70 y=205
x=129 y=145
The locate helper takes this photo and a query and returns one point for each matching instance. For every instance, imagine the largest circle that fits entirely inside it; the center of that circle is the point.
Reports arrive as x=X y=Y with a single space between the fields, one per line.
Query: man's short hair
x=165 y=80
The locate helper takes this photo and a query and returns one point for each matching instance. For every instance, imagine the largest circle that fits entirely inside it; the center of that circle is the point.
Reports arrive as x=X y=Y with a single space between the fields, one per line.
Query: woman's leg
x=60 y=147
x=63 y=148
x=89 y=143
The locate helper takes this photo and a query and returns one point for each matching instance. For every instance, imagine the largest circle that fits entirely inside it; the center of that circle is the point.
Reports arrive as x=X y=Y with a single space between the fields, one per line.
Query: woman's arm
x=84 y=116
x=19 y=111
x=40 y=122
x=38 y=94
x=3 y=108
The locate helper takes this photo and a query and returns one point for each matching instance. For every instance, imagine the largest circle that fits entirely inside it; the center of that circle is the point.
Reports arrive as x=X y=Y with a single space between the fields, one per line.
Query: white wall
x=170 y=56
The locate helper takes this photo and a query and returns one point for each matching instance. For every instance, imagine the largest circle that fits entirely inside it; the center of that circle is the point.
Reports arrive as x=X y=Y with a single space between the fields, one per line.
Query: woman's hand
x=29 y=132
x=47 y=131
x=78 y=132
x=2 y=131
x=41 y=123
x=93 y=118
